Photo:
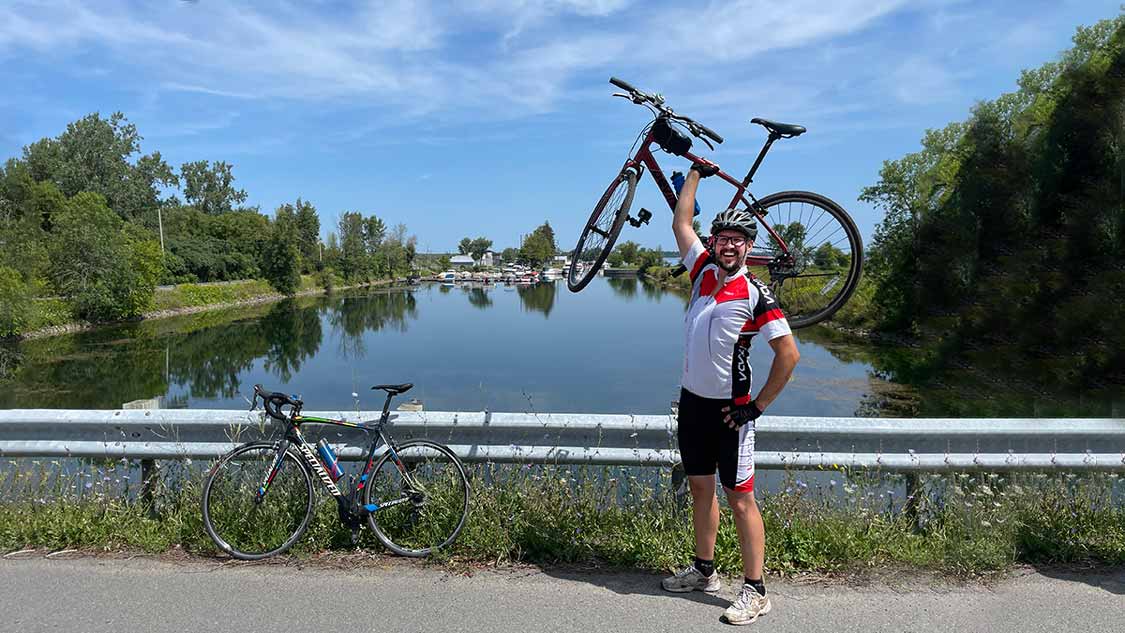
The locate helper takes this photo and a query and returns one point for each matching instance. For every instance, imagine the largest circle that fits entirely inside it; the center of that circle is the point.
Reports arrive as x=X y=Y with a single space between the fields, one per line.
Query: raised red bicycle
x=808 y=249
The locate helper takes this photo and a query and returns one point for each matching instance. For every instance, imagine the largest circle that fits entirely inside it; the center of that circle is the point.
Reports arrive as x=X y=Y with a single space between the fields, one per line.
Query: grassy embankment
x=199 y=295
x=972 y=524
x=50 y=313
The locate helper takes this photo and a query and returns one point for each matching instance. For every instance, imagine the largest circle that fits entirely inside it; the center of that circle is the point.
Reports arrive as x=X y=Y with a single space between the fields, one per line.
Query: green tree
x=1016 y=216
x=539 y=247
x=625 y=253
x=25 y=206
x=478 y=247
x=374 y=232
x=510 y=255
x=201 y=247
x=280 y=260
x=210 y=187
x=96 y=155
x=302 y=222
x=465 y=246
x=353 y=249
x=828 y=256
x=15 y=302
x=106 y=268
x=332 y=253
x=647 y=258
x=308 y=236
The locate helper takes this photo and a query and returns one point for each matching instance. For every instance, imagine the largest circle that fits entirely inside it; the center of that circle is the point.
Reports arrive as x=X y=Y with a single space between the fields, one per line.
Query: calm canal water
x=616 y=347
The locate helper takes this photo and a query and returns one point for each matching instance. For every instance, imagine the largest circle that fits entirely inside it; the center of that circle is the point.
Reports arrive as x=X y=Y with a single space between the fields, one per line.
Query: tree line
x=537 y=249
x=1004 y=236
x=87 y=217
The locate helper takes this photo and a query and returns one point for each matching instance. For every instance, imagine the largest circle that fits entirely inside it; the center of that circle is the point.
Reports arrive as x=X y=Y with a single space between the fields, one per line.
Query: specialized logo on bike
x=319 y=470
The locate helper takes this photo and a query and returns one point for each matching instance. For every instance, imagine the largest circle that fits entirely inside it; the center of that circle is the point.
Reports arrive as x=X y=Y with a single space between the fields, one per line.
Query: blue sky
x=487 y=117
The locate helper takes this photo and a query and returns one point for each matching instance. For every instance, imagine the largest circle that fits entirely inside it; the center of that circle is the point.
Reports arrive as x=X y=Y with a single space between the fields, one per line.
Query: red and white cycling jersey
x=720 y=323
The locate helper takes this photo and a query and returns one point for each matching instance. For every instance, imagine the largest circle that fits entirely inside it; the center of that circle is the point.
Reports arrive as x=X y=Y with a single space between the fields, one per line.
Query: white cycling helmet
x=739 y=220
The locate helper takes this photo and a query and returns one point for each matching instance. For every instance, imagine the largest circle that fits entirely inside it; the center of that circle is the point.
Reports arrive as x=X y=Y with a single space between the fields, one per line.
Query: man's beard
x=733 y=268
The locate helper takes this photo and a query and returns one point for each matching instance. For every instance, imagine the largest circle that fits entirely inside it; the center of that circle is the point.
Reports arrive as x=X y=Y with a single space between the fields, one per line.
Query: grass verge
x=970 y=524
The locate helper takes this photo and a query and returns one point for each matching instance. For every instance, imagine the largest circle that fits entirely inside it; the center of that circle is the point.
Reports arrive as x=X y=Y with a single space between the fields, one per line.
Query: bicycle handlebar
x=709 y=132
x=696 y=128
x=624 y=85
x=277 y=400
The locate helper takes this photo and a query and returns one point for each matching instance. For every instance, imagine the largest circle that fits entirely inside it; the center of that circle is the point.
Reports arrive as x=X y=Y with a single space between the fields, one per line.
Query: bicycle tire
x=387 y=522
x=577 y=281
x=252 y=523
x=797 y=307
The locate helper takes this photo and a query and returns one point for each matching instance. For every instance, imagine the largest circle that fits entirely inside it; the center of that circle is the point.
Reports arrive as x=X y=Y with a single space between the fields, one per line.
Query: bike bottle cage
x=669 y=138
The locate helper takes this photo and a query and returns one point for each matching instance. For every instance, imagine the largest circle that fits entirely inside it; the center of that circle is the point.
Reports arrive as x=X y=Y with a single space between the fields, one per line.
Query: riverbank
x=186 y=299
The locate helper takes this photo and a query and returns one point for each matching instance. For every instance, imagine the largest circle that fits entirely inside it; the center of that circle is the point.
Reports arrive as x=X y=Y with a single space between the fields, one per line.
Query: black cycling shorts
x=707 y=443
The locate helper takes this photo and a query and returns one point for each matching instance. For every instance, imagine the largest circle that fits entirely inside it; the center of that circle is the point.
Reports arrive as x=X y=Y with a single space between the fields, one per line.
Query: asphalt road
x=88 y=594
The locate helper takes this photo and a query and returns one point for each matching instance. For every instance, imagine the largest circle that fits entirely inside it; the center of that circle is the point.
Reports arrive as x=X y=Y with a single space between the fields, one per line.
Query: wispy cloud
x=412 y=54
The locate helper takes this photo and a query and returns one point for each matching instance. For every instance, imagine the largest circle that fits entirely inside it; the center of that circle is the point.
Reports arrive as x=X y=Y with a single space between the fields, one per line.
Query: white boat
x=449 y=276
x=552 y=273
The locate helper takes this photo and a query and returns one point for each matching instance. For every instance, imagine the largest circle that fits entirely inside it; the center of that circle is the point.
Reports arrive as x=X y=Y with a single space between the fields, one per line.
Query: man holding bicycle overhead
x=728 y=307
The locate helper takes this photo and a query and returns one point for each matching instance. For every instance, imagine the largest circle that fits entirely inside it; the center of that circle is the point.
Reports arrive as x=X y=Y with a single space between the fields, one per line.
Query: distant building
x=462 y=260
x=560 y=261
x=487 y=259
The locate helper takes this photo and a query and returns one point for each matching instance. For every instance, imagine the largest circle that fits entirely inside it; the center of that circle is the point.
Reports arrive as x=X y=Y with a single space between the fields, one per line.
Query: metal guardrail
x=929 y=445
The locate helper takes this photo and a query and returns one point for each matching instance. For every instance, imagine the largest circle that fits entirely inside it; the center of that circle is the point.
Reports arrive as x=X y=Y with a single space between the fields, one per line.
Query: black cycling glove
x=705 y=169
x=740 y=414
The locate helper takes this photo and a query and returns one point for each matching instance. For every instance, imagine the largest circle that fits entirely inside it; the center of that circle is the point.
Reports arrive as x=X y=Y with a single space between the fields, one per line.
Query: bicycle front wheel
x=601 y=230
x=818 y=269
x=418 y=497
x=245 y=524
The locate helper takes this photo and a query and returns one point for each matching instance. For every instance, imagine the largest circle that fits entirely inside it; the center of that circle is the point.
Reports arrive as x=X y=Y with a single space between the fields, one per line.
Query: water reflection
x=478 y=298
x=538 y=297
x=624 y=287
x=903 y=385
x=353 y=317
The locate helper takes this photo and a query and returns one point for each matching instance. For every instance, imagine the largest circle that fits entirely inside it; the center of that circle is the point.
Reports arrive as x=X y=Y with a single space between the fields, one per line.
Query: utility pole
x=160 y=222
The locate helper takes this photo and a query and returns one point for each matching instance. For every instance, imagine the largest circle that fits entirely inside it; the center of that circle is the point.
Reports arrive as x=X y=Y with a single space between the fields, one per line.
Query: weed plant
x=961 y=523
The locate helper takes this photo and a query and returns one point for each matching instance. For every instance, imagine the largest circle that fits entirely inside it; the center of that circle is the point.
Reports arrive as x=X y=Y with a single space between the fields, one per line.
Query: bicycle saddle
x=784 y=129
x=395 y=389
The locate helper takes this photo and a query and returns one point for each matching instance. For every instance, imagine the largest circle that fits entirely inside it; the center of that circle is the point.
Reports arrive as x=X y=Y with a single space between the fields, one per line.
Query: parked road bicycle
x=808 y=249
x=258 y=499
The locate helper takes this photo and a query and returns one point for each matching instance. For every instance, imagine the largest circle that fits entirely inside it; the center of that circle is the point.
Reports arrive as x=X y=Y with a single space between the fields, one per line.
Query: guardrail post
x=149 y=476
x=913 y=500
x=148 y=466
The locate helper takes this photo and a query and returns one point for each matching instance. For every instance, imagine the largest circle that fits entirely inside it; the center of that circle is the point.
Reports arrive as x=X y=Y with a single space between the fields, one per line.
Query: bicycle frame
x=293 y=436
x=644 y=158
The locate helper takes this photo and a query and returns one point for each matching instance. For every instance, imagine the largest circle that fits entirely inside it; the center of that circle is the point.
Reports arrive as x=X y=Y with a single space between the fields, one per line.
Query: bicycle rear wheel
x=237 y=521
x=820 y=268
x=601 y=230
x=423 y=510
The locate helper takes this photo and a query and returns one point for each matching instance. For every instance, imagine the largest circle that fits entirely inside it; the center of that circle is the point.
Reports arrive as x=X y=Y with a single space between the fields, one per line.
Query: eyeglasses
x=735 y=241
